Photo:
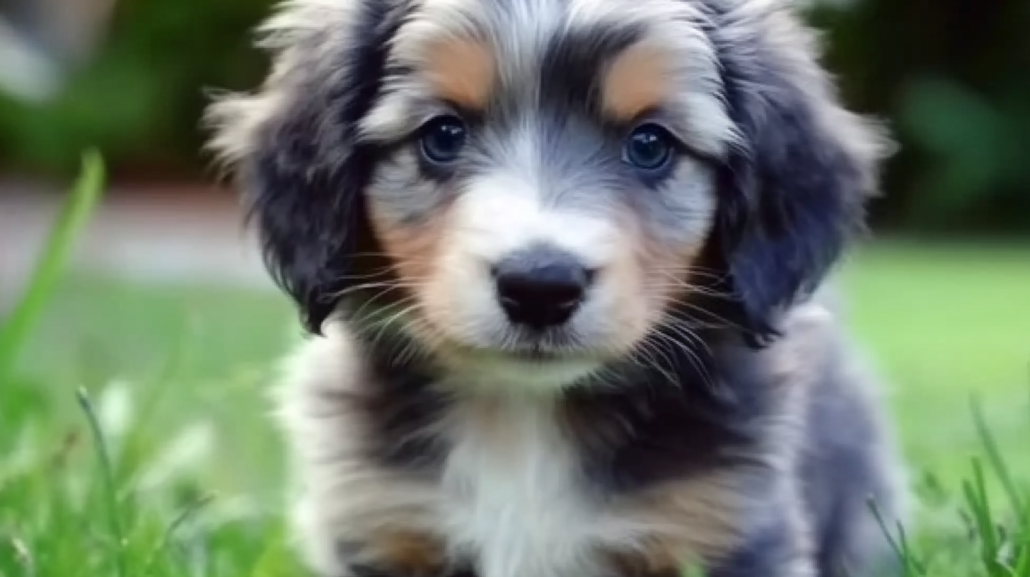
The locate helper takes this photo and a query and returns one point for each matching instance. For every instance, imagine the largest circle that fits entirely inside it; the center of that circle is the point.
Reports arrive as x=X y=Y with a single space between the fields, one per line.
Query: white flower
x=114 y=410
x=185 y=454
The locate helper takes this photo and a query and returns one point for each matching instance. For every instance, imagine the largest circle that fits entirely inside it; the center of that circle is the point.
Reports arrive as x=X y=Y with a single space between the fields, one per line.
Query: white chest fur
x=515 y=499
x=510 y=496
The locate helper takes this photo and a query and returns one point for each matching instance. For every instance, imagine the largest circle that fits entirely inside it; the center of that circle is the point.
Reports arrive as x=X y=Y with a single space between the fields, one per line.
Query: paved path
x=177 y=234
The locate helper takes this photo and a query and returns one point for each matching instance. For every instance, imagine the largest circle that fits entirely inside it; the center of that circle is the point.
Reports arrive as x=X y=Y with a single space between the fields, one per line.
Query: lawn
x=188 y=480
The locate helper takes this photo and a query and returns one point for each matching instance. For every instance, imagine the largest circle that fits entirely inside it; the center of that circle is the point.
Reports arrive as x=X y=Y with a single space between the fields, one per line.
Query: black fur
x=712 y=416
x=768 y=549
x=305 y=183
x=791 y=195
x=402 y=407
x=568 y=71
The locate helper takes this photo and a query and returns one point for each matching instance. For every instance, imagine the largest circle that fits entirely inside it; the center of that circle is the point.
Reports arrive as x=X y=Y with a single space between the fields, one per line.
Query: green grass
x=134 y=439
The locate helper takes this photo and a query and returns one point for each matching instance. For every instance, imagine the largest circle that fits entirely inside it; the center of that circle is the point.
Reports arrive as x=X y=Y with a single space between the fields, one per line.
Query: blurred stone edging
x=178 y=234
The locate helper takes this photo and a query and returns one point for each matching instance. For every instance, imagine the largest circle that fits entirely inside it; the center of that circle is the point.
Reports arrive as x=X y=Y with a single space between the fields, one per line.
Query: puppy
x=559 y=260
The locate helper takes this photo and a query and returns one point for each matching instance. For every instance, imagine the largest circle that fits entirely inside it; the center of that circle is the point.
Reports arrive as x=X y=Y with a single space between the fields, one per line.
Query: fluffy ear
x=794 y=188
x=291 y=146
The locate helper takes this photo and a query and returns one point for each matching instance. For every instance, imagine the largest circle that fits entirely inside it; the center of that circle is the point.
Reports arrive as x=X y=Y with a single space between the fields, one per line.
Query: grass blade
x=1022 y=564
x=184 y=516
x=900 y=545
x=109 y=485
x=994 y=456
x=73 y=216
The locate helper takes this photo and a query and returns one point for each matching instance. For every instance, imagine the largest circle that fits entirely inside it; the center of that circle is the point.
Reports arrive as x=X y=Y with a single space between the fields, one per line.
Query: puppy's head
x=543 y=183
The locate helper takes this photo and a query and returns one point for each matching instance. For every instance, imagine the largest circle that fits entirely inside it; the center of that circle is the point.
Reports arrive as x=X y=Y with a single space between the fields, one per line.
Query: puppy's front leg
x=779 y=549
x=769 y=556
x=352 y=533
x=394 y=553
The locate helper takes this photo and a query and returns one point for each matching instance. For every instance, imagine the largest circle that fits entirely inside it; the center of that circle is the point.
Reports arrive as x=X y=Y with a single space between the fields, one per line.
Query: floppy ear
x=794 y=189
x=291 y=146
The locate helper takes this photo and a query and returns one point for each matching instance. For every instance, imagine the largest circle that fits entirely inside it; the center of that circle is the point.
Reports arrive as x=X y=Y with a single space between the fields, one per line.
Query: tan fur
x=647 y=277
x=414 y=248
x=415 y=252
x=668 y=273
x=674 y=512
x=691 y=76
x=636 y=82
x=408 y=553
x=461 y=71
x=644 y=277
x=625 y=280
x=444 y=40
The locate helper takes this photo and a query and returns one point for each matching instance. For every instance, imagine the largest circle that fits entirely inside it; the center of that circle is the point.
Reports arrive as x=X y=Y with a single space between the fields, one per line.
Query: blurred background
x=941 y=298
x=129 y=78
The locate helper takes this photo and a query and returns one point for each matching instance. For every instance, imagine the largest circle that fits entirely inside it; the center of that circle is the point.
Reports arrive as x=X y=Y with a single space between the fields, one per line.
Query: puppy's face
x=547 y=176
x=529 y=185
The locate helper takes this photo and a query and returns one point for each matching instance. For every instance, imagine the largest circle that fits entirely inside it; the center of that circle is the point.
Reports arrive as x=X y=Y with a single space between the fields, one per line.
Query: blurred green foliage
x=949 y=76
x=139 y=100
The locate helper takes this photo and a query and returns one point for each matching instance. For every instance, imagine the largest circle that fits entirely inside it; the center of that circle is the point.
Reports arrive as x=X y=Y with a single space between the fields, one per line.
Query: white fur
x=509 y=494
x=517 y=502
x=503 y=213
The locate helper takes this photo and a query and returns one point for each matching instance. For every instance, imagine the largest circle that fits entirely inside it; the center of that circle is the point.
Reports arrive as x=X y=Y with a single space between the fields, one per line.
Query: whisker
x=405 y=306
x=369 y=275
x=705 y=314
x=700 y=272
x=370 y=302
x=653 y=350
x=372 y=285
x=708 y=380
x=693 y=289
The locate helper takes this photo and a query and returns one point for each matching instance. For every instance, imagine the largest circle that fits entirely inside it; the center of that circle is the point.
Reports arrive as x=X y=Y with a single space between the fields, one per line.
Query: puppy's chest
x=516 y=502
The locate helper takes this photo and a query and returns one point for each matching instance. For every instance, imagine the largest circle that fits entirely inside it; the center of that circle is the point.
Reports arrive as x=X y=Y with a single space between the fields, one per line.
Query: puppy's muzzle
x=541 y=287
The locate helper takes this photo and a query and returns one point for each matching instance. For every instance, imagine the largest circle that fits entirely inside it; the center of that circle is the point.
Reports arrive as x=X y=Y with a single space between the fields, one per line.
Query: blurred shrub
x=139 y=100
x=949 y=75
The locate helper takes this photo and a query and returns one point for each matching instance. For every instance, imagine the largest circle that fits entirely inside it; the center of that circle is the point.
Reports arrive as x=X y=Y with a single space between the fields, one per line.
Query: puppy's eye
x=442 y=139
x=649 y=147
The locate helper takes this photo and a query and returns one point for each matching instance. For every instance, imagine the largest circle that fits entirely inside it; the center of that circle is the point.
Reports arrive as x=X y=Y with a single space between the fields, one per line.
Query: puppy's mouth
x=539 y=353
x=536 y=348
x=524 y=364
x=536 y=354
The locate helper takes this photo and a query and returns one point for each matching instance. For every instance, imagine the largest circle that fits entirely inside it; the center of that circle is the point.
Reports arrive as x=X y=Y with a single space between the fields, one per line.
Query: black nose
x=540 y=288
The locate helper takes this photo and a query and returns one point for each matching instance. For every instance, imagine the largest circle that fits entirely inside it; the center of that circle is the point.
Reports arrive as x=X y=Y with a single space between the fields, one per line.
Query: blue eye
x=648 y=147
x=442 y=139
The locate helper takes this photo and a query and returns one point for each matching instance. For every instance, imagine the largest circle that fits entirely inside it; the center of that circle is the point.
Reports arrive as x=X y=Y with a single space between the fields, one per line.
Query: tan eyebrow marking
x=461 y=71
x=636 y=81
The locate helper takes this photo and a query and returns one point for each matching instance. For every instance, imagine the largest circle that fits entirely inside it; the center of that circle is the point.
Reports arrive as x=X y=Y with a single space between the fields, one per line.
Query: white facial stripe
x=501 y=213
x=520 y=30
